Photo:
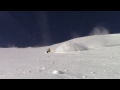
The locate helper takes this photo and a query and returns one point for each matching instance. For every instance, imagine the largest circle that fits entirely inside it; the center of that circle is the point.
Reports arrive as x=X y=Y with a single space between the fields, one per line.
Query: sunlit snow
x=90 y=57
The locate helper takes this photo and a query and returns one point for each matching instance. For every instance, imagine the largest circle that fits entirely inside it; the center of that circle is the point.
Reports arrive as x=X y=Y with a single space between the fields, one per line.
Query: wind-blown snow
x=91 y=57
x=70 y=46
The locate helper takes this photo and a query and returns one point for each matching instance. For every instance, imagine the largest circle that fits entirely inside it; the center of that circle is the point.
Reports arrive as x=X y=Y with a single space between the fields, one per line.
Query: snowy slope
x=91 y=57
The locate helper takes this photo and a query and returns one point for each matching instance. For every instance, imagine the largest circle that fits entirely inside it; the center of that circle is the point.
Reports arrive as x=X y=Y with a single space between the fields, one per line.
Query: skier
x=48 y=50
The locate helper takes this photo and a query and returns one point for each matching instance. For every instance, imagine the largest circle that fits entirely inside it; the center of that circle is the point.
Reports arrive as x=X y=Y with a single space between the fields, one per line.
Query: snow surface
x=91 y=57
x=70 y=46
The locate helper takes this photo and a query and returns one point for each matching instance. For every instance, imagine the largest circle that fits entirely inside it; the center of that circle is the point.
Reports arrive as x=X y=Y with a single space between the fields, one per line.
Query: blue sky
x=34 y=28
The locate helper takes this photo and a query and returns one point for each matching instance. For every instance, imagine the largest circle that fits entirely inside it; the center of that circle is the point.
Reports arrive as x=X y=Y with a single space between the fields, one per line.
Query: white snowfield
x=91 y=57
